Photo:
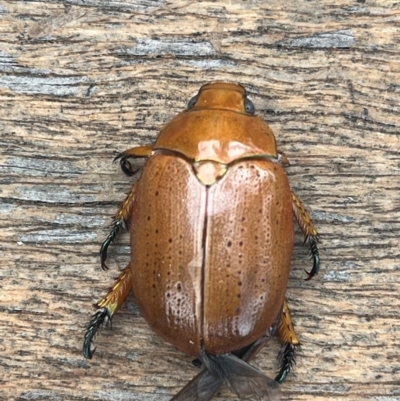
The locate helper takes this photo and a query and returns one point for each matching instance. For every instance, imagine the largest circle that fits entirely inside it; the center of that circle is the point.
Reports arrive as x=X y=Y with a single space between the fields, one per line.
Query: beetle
x=211 y=228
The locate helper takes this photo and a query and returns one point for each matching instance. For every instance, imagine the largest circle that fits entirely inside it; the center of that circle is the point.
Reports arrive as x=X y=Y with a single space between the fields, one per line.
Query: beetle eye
x=192 y=102
x=249 y=106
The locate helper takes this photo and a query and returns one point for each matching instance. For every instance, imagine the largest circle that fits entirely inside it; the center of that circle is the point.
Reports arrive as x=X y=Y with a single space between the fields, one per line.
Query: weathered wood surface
x=82 y=80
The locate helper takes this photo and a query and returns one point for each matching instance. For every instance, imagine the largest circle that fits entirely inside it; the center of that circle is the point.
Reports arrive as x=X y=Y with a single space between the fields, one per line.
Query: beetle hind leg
x=310 y=233
x=121 y=219
x=107 y=307
x=290 y=343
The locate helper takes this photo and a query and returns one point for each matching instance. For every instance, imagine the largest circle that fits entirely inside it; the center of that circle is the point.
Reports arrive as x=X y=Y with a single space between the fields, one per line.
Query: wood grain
x=83 y=80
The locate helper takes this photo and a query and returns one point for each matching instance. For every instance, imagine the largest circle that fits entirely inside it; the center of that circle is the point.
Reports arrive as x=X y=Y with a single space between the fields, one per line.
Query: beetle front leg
x=107 y=307
x=310 y=233
x=290 y=342
x=134 y=153
x=120 y=220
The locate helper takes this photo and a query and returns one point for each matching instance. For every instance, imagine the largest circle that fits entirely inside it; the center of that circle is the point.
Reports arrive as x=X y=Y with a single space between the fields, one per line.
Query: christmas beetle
x=211 y=228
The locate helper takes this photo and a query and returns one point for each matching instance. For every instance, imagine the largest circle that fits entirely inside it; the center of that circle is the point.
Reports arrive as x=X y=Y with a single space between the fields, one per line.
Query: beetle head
x=222 y=96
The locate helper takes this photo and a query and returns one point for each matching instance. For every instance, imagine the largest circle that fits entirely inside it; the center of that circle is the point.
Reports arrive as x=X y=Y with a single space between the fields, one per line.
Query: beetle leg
x=290 y=342
x=310 y=233
x=107 y=307
x=121 y=219
x=122 y=216
x=135 y=153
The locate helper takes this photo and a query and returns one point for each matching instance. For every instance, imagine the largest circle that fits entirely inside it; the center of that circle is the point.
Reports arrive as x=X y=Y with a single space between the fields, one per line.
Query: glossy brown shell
x=211 y=262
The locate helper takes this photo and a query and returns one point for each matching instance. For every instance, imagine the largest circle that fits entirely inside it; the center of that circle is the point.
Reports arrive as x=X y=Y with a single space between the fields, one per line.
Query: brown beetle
x=211 y=222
